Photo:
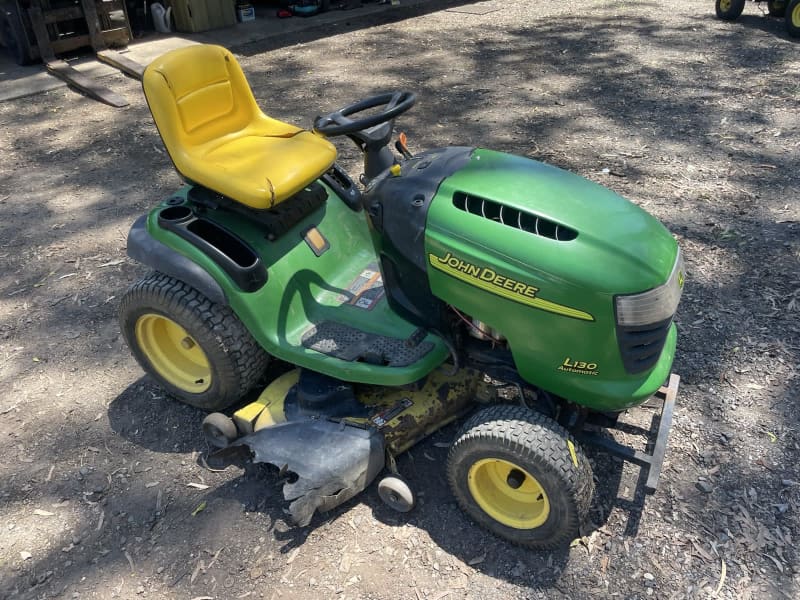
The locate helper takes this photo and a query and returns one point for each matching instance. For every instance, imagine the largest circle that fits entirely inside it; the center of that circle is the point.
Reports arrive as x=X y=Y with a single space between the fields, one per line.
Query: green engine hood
x=619 y=248
x=539 y=254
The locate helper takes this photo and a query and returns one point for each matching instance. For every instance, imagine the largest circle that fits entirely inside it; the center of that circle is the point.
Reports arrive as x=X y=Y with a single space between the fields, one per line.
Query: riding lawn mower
x=455 y=283
x=788 y=10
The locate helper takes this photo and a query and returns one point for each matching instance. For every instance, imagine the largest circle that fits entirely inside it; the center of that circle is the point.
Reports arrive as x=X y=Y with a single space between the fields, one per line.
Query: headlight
x=653 y=306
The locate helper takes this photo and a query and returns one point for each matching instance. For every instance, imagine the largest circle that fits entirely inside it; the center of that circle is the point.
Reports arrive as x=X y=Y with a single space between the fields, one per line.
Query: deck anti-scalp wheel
x=729 y=10
x=521 y=476
x=197 y=350
x=396 y=493
x=793 y=18
x=219 y=429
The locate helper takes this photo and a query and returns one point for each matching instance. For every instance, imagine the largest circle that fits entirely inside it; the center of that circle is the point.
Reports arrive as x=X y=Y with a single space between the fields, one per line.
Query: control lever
x=402 y=146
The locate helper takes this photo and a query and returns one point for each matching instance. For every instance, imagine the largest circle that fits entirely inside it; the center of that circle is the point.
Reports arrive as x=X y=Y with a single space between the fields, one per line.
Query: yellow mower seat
x=217 y=135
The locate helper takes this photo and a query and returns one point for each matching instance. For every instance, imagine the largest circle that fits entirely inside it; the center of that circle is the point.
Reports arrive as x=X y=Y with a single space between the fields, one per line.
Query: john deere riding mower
x=459 y=281
x=789 y=10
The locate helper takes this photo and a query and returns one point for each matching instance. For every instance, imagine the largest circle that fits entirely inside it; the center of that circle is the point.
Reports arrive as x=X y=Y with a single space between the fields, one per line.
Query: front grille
x=641 y=345
x=500 y=213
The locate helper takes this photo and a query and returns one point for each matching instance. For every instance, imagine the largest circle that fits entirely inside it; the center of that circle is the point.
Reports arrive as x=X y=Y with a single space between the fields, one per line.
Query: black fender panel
x=143 y=248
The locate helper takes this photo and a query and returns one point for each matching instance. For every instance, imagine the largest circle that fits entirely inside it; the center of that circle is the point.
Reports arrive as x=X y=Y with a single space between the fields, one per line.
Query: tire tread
x=247 y=359
x=530 y=434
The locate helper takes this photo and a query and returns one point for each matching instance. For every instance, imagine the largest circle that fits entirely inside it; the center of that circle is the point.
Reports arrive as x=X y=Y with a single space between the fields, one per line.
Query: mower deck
x=337 y=442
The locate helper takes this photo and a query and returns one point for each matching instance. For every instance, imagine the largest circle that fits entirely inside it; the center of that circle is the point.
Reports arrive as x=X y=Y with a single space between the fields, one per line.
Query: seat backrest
x=197 y=94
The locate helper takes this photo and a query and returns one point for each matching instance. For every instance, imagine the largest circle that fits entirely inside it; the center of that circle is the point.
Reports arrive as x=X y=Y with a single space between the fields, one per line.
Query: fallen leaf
x=776 y=561
x=721 y=578
x=200 y=508
x=112 y=263
x=130 y=561
x=477 y=560
x=198 y=486
x=214 y=559
x=701 y=552
x=200 y=567
x=344 y=564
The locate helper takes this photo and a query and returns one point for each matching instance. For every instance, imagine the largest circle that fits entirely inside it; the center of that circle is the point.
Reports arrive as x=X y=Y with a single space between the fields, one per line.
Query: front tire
x=197 y=350
x=729 y=10
x=793 y=18
x=520 y=475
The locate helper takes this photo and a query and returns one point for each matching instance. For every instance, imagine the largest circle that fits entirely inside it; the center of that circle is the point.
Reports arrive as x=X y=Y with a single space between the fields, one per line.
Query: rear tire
x=195 y=349
x=729 y=10
x=793 y=18
x=520 y=475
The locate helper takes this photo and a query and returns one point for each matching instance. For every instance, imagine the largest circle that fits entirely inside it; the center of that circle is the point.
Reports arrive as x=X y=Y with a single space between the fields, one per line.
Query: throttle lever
x=402 y=146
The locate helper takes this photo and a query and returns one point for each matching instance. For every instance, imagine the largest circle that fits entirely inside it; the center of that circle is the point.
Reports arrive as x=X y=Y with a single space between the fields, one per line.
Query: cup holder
x=175 y=214
x=224 y=247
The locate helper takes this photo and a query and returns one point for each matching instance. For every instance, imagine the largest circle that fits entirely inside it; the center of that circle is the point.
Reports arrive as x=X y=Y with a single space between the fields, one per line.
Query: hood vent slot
x=512 y=217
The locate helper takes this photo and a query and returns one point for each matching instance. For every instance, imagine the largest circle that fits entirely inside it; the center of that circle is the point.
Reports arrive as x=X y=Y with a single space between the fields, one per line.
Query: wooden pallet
x=100 y=36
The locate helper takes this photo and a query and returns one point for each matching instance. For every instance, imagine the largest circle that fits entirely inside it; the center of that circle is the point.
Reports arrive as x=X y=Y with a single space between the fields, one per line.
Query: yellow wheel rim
x=508 y=494
x=174 y=354
x=796 y=16
x=725 y=5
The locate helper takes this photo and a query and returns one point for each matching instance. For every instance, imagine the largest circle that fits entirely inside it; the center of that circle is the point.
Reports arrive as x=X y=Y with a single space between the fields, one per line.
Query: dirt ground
x=103 y=494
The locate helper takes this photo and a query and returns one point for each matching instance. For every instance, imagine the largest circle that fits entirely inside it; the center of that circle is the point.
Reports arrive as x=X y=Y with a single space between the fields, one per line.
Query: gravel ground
x=694 y=119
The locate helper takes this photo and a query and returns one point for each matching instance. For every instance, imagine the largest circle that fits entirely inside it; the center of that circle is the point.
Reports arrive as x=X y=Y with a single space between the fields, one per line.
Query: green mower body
x=532 y=255
x=458 y=280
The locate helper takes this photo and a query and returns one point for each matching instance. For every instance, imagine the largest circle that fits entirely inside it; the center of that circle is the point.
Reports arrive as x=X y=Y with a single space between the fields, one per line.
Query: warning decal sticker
x=366 y=290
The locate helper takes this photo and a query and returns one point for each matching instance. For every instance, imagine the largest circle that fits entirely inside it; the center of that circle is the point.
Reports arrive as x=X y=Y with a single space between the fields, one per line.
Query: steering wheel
x=340 y=123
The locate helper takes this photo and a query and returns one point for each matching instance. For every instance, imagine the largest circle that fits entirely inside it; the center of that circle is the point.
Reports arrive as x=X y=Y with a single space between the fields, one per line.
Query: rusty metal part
x=442 y=399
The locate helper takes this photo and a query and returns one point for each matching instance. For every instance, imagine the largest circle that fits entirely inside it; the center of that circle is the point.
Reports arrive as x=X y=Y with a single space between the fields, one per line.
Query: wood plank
x=70 y=43
x=40 y=31
x=85 y=84
x=104 y=10
x=112 y=37
x=56 y=15
x=121 y=62
x=117 y=37
x=93 y=24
